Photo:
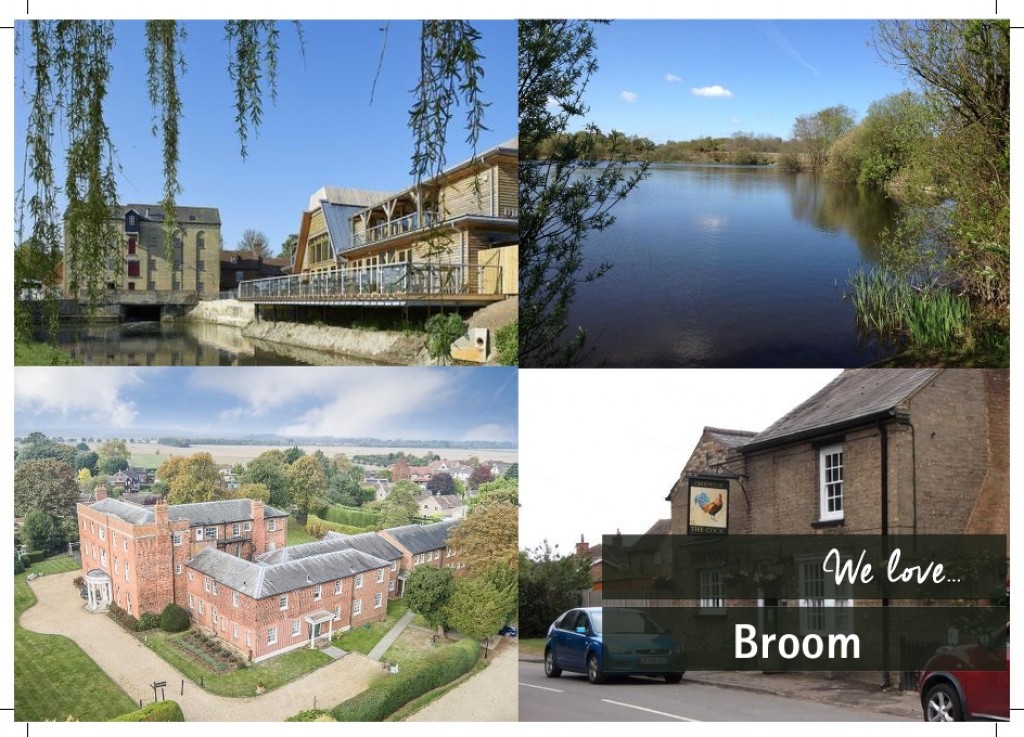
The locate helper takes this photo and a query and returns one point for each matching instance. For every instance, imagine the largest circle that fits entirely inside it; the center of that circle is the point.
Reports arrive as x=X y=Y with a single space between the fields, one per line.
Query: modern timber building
x=451 y=238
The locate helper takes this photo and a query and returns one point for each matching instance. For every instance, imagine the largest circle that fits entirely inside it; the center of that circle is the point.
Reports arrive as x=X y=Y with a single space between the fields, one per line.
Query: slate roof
x=182 y=214
x=260 y=581
x=729 y=438
x=661 y=527
x=198 y=514
x=421 y=538
x=346 y=196
x=367 y=542
x=855 y=396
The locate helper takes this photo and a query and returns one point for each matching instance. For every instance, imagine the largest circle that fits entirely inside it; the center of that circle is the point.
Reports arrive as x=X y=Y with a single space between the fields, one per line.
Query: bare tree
x=255 y=241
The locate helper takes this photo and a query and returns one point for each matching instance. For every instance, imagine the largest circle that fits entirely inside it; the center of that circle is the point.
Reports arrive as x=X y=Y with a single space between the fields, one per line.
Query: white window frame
x=712 y=589
x=282 y=602
x=234 y=599
x=318 y=592
x=357 y=607
x=831 y=476
x=824 y=605
x=378 y=600
x=296 y=628
x=176 y=538
x=271 y=525
x=359 y=580
x=380 y=576
x=199 y=534
x=271 y=635
x=337 y=586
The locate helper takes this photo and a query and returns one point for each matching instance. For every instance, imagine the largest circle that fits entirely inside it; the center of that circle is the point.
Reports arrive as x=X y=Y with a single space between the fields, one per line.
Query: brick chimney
x=160 y=512
x=259 y=528
x=582 y=546
x=100 y=492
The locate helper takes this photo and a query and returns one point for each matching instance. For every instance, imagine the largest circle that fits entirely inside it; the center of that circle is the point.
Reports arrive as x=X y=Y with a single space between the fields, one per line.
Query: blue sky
x=677 y=80
x=322 y=131
x=408 y=403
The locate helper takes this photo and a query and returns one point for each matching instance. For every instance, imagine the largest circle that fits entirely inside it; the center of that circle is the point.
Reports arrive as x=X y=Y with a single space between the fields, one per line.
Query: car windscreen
x=624 y=622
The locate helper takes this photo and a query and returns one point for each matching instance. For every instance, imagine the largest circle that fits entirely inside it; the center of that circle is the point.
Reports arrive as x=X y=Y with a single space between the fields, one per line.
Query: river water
x=730 y=266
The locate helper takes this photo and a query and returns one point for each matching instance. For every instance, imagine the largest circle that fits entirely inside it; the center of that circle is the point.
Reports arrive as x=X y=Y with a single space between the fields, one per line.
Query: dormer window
x=131 y=222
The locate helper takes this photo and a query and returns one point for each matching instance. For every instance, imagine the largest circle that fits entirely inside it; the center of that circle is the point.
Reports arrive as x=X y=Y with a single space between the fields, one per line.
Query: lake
x=731 y=266
x=183 y=344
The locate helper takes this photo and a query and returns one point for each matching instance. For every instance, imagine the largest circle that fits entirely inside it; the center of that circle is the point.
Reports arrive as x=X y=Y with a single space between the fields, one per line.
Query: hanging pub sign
x=709 y=507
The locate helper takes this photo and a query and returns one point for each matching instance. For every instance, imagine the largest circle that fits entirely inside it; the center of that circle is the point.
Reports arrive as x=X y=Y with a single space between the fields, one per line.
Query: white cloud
x=377 y=402
x=628 y=96
x=94 y=394
x=491 y=431
x=734 y=121
x=715 y=90
x=672 y=78
x=261 y=390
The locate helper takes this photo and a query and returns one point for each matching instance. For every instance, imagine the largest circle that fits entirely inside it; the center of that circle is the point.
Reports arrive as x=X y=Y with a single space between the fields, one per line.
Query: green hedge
x=311 y=715
x=33 y=556
x=161 y=711
x=353 y=516
x=319 y=527
x=386 y=695
x=174 y=619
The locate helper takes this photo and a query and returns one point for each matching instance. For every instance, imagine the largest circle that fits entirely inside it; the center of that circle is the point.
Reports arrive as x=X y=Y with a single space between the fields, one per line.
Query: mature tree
x=427 y=591
x=816 y=133
x=268 y=468
x=87 y=460
x=560 y=199
x=478 y=608
x=288 y=246
x=41 y=532
x=259 y=492
x=113 y=456
x=84 y=474
x=82 y=447
x=45 y=485
x=501 y=491
x=963 y=67
x=39 y=447
x=400 y=469
x=513 y=472
x=488 y=536
x=293 y=454
x=325 y=464
x=549 y=583
x=481 y=475
x=193 y=479
x=441 y=483
x=307 y=486
x=342 y=463
x=399 y=506
x=255 y=241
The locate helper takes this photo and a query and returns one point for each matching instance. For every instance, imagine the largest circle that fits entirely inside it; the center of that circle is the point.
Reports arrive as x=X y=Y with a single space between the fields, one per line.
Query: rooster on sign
x=709 y=507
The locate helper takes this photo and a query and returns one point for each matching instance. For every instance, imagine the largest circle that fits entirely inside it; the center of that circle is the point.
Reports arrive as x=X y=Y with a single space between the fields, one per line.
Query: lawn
x=532 y=645
x=362 y=639
x=53 y=678
x=41 y=354
x=274 y=672
x=297 y=533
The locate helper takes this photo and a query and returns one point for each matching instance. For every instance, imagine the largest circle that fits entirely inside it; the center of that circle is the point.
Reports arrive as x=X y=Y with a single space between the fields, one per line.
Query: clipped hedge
x=353 y=516
x=312 y=715
x=161 y=711
x=33 y=556
x=174 y=619
x=319 y=527
x=386 y=695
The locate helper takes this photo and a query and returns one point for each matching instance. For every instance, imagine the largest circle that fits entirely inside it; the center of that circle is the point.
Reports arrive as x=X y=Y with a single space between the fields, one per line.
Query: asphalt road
x=572 y=698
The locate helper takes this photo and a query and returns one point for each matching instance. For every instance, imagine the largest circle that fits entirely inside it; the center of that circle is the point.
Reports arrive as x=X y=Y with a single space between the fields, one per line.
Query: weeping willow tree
x=67 y=73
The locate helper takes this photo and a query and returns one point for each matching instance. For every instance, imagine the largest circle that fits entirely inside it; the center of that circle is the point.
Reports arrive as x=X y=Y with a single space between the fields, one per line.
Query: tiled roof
x=200 y=513
x=729 y=438
x=134 y=514
x=183 y=214
x=367 y=542
x=260 y=580
x=421 y=538
x=854 y=396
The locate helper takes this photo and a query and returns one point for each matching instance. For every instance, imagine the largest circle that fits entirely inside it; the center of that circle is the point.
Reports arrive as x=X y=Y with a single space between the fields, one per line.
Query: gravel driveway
x=490 y=696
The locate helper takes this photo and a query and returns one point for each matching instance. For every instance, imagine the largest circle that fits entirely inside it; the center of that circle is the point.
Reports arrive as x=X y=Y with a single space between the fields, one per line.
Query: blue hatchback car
x=639 y=646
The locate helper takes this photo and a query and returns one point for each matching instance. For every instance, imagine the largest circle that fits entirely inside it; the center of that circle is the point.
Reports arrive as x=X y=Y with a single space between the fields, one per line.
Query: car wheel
x=594 y=674
x=550 y=669
x=673 y=677
x=941 y=704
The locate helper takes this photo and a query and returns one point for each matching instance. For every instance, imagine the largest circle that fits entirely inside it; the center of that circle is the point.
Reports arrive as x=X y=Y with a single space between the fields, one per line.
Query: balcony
x=397 y=283
x=407 y=224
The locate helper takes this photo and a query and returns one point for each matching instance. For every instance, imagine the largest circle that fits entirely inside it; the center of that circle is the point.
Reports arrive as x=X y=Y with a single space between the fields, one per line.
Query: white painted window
x=359 y=581
x=236 y=529
x=191 y=602
x=378 y=600
x=199 y=533
x=394 y=565
x=177 y=538
x=234 y=599
x=234 y=630
x=712 y=589
x=282 y=602
x=830 y=468
x=337 y=586
x=191 y=576
x=206 y=583
x=380 y=576
x=117 y=565
x=247 y=527
x=337 y=613
x=824 y=606
x=214 y=610
x=103 y=533
x=248 y=638
x=296 y=628
x=103 y=559
x=125 y=544
x=391 y=585
x=357 y=607
x=215 y=588
x=210 y=533
x=202 y=607
x=272 y=636
x=272 y=525
x=317 y=592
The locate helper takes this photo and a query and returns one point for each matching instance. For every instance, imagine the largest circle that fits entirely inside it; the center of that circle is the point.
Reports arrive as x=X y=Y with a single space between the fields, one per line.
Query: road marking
x=652 y=711
x=542 y=688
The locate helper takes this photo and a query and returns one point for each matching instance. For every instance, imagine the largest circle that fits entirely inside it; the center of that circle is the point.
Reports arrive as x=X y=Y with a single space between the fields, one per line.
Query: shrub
x=442 y=330
x=174 y=619
x=506 y=342
x=123 y=618
x=161 y=711
x=19 y=567
x=312 y=715
x=33 y=556
x=149 y=621
x=319 y=527
x=387 y=695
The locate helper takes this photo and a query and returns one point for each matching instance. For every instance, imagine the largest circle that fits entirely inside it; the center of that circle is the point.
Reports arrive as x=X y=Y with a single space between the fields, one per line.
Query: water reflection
x=732 y=266
x=183 y=344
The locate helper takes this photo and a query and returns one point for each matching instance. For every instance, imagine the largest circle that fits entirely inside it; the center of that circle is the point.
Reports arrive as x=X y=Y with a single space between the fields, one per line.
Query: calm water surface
x=733 y=267
x=183 y=344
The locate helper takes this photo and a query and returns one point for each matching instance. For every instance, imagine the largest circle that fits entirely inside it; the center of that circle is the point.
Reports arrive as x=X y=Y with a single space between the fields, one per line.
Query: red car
x=954 y=688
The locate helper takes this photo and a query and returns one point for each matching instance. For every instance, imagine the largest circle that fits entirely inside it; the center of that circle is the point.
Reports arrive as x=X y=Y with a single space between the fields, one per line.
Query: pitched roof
x=260 y=580
x=367 y=542
x=421 y=538
x=200 y=513
x=345 y=196
x=855 y=396
x=661 y=527
x=729 y=438
x=182 y=213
